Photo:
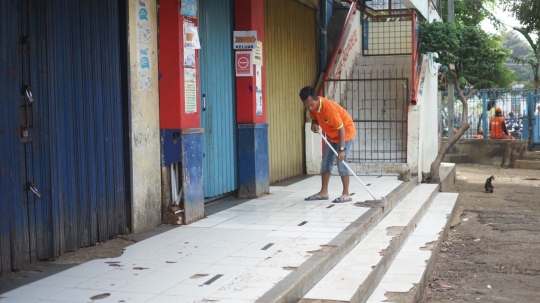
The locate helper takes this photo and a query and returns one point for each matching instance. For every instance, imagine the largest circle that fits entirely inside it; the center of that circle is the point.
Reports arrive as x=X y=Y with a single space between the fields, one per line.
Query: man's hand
x=314 y=127
x=341 y=155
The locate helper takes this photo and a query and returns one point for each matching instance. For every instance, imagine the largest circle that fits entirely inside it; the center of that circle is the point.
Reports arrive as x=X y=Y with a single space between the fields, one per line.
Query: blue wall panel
x=218 y=87
x=74 y=152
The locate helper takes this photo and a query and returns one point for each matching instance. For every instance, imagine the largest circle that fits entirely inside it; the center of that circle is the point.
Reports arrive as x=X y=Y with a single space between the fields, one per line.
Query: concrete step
x=527 y=164
x=356 y=276
x=408 y=275
x=531 y=156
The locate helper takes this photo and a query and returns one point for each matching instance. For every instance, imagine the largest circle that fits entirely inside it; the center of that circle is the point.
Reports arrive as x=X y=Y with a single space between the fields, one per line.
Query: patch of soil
x=491 y=251
x=109 y=249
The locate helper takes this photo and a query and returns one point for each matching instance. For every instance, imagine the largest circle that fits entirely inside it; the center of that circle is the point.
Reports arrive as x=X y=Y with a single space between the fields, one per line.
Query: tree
x=520 y=49
x=475 y=60
x=470 y=12
x=527 y=12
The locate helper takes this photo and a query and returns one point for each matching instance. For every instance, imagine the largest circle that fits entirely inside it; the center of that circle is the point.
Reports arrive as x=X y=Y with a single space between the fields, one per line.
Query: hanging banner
x=243 y=64
x=191 y=36
x=189 y=8
x=245 y=39
x=190 y=89
x=257 y=54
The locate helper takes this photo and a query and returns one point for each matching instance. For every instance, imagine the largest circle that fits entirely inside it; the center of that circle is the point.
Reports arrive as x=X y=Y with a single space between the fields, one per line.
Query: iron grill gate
x=378 y=107
x=62 y=175
x=218 y=112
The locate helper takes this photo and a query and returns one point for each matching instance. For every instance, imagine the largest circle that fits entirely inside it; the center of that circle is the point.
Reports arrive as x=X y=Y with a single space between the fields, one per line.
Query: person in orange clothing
x=480 y=134
x=338 y=125
x=497 y=126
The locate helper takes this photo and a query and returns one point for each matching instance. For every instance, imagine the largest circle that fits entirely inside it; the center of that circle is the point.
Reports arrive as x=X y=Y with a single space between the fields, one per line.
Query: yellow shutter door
x=291 y=63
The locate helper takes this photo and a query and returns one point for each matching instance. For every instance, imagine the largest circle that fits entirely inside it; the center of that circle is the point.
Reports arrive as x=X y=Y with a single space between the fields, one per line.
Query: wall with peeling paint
x=144 y=135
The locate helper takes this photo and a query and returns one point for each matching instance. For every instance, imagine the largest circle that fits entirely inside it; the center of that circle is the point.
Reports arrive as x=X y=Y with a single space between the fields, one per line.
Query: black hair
x=306 y=92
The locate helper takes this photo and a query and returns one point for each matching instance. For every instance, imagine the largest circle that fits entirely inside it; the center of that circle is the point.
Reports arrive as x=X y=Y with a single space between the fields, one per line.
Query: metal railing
x=377 y=103
x=513 y=104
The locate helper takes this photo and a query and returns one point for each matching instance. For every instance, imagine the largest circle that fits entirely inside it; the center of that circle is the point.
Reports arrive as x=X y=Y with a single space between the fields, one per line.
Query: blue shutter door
x=218 y=87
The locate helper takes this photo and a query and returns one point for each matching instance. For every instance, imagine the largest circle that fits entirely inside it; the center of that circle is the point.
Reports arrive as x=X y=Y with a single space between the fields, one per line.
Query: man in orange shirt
x=336 y=122
x=497 y=126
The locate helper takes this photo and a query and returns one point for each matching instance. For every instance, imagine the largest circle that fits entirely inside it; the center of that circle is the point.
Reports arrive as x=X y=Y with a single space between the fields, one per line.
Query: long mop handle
x=346 y=165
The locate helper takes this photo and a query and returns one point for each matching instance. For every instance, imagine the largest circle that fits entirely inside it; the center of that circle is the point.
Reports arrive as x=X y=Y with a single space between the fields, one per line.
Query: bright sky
x=504 y=17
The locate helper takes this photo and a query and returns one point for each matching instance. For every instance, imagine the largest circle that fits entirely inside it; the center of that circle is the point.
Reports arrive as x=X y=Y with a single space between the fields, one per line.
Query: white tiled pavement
x=233 y=256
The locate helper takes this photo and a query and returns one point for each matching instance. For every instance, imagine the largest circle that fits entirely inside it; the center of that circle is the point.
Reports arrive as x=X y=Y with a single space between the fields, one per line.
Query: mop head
x=381 y=202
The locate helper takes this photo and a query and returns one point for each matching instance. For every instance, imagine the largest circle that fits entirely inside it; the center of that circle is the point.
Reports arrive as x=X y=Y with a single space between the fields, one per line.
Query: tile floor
x=235 y=255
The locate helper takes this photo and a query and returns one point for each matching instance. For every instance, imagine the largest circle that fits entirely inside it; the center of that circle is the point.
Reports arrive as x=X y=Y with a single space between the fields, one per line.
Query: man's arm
x=505 y=130
x=341 y=153
x=315 y=126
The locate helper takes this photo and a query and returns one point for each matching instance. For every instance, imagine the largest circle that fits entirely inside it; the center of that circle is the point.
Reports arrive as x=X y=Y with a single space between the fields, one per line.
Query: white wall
x=144 y=135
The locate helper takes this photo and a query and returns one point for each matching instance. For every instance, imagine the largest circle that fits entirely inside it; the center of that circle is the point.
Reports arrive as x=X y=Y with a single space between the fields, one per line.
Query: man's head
x=480 y=131
x=538 y=108
x=498 y=111
x=309 y=97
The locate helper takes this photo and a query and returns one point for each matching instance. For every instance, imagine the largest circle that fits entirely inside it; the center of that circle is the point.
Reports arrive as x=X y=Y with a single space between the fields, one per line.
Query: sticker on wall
x=144 y=68
x=258 y=102
x=257 y=54
x=189 y=57
x=143 y=24
x=191 y=36
x=243 y=64
x=190 y=88
x=189 y=8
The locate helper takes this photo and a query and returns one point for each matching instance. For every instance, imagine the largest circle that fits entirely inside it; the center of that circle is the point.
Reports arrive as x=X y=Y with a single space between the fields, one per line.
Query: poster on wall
x=258 y=92
x=257 y=54
x=191 y=36
x=243 y=64
x=190 y=88
x=189 y=57
x=144 y=68
x=143 y=24
x=189 y=8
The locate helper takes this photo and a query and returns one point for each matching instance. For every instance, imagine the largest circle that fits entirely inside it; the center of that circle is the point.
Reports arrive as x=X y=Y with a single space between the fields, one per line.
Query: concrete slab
x=527 y=164
x=406 y=279
x=359 y=272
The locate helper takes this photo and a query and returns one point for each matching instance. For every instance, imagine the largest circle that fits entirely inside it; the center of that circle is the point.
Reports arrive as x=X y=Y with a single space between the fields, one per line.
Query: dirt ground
x=491 y=253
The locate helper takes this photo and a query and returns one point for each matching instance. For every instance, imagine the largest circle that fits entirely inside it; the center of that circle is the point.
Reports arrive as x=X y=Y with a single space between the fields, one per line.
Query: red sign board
x=244 y=66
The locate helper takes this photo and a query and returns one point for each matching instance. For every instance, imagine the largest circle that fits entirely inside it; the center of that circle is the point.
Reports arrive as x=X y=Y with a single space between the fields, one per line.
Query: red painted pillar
x=249 y=16
x=253 y=169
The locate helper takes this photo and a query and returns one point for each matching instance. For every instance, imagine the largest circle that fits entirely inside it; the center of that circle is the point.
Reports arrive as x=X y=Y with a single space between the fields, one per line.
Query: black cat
x=488 y=186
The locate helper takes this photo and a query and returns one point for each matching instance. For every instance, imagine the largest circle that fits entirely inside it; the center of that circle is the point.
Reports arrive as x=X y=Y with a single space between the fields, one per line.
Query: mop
x=371 y=203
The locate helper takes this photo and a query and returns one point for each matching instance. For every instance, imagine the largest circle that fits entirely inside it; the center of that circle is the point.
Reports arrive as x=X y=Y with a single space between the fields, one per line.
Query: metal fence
x=377 y=103
x=513 y=104
x=386 y=28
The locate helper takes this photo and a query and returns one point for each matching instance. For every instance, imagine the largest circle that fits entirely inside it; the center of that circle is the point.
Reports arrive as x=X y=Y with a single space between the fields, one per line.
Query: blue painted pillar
x=185 y=146
x=253 y=180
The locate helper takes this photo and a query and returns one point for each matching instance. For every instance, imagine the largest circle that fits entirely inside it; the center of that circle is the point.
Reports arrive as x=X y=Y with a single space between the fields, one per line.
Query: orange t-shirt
x=331 y=117
x=497 y=128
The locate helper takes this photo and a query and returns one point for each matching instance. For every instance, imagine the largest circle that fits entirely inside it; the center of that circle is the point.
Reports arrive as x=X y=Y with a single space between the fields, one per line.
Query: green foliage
x=527 y=12
x=478 y=57
x=470 y=12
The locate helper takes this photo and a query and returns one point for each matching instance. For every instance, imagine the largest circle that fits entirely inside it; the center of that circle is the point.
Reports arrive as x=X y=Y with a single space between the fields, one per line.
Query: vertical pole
x=530 y=116
x=451 y=84
x=484 y=115
x=323 y=25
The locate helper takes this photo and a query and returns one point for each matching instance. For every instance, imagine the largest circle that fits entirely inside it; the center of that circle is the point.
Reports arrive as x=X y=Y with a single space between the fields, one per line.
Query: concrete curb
x=294 y=286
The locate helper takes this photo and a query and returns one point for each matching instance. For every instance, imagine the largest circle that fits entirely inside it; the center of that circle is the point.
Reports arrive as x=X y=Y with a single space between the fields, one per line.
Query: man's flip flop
x=342 y=199
x=315 y=197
